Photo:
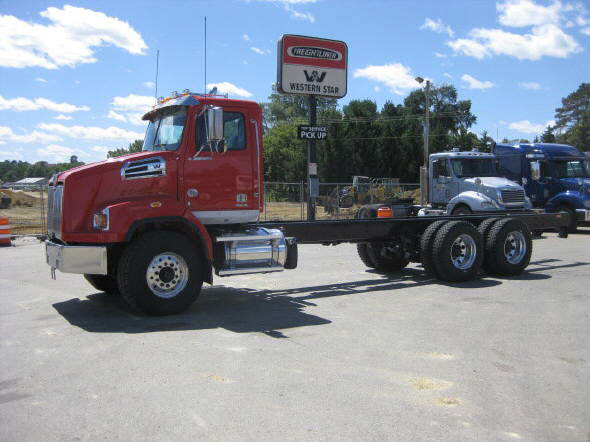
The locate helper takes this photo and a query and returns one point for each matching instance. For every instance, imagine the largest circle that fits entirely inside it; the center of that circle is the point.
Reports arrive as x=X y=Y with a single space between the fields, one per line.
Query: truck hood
x=106 y=165
x=494 y=182
x=576 y=184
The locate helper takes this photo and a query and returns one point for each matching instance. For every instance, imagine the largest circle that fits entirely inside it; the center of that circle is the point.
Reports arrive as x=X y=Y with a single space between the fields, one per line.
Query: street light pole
x=424 y=169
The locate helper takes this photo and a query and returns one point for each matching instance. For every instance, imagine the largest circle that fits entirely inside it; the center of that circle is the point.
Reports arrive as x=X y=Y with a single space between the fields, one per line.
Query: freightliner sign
x=312 y=66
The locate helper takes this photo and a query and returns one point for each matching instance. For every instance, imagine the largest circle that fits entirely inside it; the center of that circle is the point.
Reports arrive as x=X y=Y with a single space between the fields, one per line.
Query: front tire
x=103 y=283
x=573 y=225
x=457 y=251
x=160 y=273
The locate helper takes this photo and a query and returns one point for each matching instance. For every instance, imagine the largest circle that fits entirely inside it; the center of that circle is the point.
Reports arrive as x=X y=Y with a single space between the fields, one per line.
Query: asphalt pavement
x=329 y=351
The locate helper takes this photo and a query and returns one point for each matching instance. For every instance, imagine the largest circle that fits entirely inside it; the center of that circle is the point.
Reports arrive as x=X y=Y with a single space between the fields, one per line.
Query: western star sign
x=312 y=66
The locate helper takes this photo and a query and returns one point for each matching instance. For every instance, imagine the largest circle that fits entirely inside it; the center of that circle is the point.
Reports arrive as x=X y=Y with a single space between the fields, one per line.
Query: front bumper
x=583 y=215
x=77 y=259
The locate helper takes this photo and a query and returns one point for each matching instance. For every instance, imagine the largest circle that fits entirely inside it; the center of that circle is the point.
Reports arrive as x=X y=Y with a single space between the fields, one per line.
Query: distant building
x=27 y=183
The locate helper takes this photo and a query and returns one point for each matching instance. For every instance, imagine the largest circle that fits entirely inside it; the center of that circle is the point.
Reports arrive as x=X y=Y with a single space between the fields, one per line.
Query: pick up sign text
x=312 y=132
x=312 y=66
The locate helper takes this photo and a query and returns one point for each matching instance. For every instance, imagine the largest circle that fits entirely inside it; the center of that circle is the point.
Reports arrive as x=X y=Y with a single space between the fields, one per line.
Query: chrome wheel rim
x=463 y=252
x=514 y=247
x=167 y=275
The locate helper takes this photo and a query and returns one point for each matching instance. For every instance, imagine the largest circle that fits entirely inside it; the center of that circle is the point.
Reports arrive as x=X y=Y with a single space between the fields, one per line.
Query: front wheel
x=103 y=283
x=573 y=225
x=160 y=273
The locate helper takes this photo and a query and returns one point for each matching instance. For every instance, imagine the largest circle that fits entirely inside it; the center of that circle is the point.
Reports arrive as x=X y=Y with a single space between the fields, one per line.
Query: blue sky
x=76 y=76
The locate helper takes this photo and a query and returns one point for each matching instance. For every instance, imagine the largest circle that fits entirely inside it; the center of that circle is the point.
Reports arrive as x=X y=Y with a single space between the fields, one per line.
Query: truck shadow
x=245 y=310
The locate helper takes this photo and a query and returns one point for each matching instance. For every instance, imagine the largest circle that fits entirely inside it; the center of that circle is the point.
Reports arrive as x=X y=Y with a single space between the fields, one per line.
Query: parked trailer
x=153 y=226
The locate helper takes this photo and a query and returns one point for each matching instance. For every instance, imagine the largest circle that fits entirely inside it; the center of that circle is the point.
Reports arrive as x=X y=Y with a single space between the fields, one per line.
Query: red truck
x=154 y=225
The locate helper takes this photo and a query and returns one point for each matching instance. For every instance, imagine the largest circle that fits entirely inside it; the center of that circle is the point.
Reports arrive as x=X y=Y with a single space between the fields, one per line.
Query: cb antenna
x=205 y=53
x=157 y=66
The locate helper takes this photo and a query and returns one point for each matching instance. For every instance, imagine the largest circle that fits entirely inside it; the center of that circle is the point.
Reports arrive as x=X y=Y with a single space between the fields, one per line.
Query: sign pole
x=312 y=166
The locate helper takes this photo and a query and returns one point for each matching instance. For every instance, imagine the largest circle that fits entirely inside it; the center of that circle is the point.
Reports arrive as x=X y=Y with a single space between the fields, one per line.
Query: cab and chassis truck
x=154 y=225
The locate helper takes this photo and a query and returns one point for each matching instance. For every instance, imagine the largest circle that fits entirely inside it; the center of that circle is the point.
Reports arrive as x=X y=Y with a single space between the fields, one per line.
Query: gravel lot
x=329 y=351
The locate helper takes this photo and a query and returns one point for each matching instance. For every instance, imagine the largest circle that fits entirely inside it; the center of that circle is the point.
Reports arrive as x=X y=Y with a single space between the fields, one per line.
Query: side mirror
x=214 y=121
x=535 y=170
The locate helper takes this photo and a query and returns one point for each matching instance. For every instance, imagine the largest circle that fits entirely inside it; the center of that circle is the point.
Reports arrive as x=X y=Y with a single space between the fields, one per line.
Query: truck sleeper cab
x=556 y=177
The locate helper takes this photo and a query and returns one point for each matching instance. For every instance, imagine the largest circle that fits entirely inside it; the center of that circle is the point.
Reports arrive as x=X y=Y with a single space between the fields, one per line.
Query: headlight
x=586 y=203
x=101 y=220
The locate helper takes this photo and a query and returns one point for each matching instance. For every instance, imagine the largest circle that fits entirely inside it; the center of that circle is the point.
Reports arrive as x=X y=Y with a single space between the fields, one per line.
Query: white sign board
x=312 y=66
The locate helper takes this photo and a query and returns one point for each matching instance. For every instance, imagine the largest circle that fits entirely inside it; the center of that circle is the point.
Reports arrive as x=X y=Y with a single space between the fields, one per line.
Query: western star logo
x=314 y=76
x=312 y=52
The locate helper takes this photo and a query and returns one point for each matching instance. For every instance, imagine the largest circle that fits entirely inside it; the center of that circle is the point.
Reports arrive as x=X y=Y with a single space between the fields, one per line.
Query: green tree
x=136 y=146
x=548 y=136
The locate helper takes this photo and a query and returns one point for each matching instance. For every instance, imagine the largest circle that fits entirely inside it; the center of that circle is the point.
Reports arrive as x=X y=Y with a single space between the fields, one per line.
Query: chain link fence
x=26 y=208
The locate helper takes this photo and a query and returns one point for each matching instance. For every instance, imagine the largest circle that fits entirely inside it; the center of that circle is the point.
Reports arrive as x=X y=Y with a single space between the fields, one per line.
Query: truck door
x=443 y=182
x=537 y=188
x=219 y=185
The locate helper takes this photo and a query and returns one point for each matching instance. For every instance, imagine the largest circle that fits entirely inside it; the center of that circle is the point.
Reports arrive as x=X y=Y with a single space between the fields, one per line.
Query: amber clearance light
x=384 y=212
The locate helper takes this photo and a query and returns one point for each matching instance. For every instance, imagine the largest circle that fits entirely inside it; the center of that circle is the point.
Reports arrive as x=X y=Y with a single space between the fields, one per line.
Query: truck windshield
x=165 y=131
x=473 y=167
x=571 y=169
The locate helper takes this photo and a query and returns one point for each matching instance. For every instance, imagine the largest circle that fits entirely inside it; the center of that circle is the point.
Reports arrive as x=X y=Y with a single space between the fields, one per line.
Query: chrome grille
x=513 y=196
x=151 y=167
x=55 y=197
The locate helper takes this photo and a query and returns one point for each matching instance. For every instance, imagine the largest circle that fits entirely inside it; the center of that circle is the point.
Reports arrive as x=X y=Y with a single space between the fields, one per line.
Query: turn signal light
x=384 y=212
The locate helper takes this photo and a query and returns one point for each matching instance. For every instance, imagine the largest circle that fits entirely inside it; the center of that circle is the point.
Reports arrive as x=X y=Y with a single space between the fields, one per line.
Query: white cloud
x=474 y=83
x=115 y=116
x=7 y=135
x=91 y=132
x=288 y=5
x=530 y=85
x=519 y=13
x=437 y=26
x=377 y=89
x=259 y=51
x=41 y=80
x=439 y=55
x=526 y=127
x=55 y=153
x=446 y=74
x=229 y=88
x=585 y=31
x=67 y=41
x=101 y=149
x=149 y=84
x=245 y=37
x=544 y=41
x=10 y=154
x=62 y=117
x=21 y=104
x=131 y=108
x=397 y=77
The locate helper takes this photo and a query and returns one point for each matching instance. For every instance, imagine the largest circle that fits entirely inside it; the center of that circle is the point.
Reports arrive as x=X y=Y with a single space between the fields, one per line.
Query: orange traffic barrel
x=5 y=232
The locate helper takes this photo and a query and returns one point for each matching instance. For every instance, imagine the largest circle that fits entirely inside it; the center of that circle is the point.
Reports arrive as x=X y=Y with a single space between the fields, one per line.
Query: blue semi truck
x=556 y=177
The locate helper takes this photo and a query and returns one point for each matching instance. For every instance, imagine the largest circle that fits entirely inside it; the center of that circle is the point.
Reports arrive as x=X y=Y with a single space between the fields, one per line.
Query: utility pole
x=424 y=169
x=312 y=164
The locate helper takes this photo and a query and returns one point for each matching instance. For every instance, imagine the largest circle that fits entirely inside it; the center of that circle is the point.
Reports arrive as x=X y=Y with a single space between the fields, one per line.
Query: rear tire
x=484 y=228
x=160 y=273
x=385 y=260
x=509 y=247
x=103 y=283
x=426 y=244
x=361 y=248
x=457 y=251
